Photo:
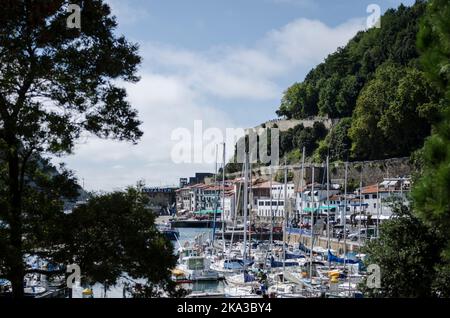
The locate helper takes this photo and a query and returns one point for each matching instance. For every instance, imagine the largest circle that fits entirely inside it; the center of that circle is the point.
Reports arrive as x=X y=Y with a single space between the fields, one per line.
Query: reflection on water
x=209 y=287
x=188 y=235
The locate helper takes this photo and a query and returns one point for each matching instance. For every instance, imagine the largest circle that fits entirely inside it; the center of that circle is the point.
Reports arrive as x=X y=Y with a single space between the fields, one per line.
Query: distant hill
x=374 y=87
x=369 y=100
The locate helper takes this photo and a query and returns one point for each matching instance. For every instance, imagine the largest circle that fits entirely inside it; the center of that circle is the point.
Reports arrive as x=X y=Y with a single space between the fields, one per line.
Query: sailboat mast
x=250 y=207
x=360 y=208
x=378 y=209
x=328 y=203
x=345 y=213
x=302 y=177
x=216 y=202
x=285 y=217
x=312 y=223
x=244 y=254
x=271 y=209
x=223 y=197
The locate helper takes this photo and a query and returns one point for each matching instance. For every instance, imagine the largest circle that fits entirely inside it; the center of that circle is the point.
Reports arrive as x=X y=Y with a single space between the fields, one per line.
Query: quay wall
x=322 y=242
x=371 y=172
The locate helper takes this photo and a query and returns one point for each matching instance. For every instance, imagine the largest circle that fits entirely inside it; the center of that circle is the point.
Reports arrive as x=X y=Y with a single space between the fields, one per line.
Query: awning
x=322 y=208
x=310 y=209
x=328 y=207
x=359 y=204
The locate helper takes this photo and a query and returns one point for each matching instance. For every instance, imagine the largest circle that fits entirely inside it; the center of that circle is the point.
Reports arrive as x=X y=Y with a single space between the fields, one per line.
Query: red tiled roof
x=265 y=184
x=370 y=189
x=335 y=197
x=317 y=186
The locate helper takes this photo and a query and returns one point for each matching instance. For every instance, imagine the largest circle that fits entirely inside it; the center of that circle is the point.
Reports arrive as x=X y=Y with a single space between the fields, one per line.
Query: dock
x=195 y=224
x=239 y=235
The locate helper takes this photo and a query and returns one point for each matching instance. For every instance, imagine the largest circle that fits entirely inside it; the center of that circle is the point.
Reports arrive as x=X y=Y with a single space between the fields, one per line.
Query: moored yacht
x=193 y=269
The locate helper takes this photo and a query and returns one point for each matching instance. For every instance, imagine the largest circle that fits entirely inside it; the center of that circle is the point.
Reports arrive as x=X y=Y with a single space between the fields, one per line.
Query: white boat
x=230 y=265
x=194 y=269
x=34 y=290
x=206 y=295
x=286 y=290
x=243 y=279
x=240 y=292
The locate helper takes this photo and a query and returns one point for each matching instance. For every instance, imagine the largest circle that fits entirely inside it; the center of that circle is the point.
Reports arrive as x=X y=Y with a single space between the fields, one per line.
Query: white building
x=306 y=199
x=229 y=206
x=278 y=190
x=264 y=208
x=377 y=196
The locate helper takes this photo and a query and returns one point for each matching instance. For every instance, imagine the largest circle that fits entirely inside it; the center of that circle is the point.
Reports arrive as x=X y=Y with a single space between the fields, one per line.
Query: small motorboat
x=169 y=232
x=194 y=269
x=34 y=290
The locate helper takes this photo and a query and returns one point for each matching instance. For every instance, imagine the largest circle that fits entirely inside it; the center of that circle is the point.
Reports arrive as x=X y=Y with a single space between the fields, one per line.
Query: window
x=374 y=205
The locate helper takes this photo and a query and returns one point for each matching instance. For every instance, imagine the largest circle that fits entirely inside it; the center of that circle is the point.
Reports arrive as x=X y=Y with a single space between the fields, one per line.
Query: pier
x=293 y=237
x=195 y=224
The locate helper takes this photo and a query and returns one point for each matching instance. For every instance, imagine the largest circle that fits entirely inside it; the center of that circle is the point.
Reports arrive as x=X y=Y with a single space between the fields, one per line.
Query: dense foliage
x=332 y=87
x=407 y=252
x=114 y=236
x=298 y=137
x=432 y=191
x=414 y=248
x=376 y=87
x=55 y=84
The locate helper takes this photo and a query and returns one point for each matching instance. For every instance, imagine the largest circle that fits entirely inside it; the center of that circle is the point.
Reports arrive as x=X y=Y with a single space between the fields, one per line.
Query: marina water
x=186 y=235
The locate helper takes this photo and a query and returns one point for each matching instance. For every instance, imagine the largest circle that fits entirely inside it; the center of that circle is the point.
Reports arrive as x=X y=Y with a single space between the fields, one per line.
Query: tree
x=398 y=104
x=114 y=236
x=299 y=101
x=327 y=97
x=337 y=143
x=368 y=140
x=333 y=87
x=348 y=94
x=407 y=252
x=55 y=84
x=434 y=44
x=432 y=191
x=410 y=114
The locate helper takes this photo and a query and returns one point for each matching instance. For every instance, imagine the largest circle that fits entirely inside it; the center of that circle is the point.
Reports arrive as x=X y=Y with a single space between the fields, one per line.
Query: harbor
x=313 y=251
x=185 y=150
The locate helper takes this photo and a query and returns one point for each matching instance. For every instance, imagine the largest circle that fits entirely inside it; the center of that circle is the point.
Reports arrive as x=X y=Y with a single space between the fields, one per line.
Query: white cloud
x=222 y=72
x=306 y=42
x=164 y=104
x=179 y=86
x=252 y=72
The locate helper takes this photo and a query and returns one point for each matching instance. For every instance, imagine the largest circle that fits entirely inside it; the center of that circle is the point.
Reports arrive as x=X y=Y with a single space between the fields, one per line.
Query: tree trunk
x=16 y=265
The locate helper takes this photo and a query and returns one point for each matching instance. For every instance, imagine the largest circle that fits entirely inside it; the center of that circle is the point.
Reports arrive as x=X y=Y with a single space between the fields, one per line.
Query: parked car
x=340 y=234
x=363 y=233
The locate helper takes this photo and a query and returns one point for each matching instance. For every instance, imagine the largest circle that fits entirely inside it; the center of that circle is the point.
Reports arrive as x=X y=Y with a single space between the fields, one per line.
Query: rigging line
x=276 y=210
x=236 y=210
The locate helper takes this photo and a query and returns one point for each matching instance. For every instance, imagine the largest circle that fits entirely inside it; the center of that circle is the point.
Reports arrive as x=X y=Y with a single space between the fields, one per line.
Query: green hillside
x=375 y=87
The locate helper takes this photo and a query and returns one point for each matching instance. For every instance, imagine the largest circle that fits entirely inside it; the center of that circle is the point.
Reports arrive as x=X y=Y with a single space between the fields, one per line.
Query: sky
x=217 y=64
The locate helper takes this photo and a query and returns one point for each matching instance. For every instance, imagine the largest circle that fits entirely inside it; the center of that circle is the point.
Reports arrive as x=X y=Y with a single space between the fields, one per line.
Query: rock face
x=372 y=171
